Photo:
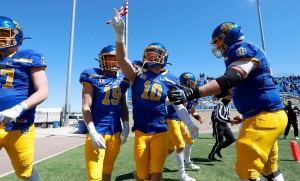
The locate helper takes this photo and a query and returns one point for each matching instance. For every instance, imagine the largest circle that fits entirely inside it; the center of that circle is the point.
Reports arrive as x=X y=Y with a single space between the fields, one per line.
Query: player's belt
x=17 y=121
x=22 y=120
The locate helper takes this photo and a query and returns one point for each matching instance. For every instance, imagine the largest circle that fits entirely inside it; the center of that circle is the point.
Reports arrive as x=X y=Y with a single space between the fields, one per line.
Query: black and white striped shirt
x=221 y=113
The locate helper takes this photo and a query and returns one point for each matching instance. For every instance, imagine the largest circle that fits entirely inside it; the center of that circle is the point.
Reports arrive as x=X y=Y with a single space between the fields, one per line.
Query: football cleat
x=213 y=159
x=191 y=166
x=218 y=152
x=185 y=177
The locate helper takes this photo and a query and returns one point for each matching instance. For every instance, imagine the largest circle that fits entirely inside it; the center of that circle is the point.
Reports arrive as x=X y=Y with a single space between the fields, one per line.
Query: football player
x=103 y=104
x=179 y=137
x=23 y=86
x=150 y=86
x=254 y=96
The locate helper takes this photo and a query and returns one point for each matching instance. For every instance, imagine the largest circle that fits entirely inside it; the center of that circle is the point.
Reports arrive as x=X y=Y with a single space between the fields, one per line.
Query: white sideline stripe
x=38 y=161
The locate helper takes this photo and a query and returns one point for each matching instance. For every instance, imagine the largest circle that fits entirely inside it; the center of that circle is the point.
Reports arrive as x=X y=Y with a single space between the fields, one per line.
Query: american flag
x=122 y=11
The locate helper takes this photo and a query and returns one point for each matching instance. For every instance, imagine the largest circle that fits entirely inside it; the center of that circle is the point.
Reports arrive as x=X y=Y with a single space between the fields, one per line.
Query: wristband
x=24 y=106
x=90 y=126
x=120 y=38
x=196 y=93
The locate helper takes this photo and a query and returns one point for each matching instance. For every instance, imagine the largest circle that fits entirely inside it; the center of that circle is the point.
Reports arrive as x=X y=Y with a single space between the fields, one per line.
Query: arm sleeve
x=247 y=66
x=167 y=102
x=183 y=114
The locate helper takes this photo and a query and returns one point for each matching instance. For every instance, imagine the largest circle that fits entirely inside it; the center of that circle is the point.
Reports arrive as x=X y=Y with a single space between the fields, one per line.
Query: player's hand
x=125 y=132
x=236 y=120
x=98 y=141
x=194 y=130
x=180 y=96
x=119 y=26
x=11 y=114
x=201 y=120
x=184 y=95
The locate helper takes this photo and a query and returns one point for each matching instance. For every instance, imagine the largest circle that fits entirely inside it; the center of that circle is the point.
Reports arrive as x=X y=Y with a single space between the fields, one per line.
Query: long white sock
x=187 y=153
x=34 y=176
x=180 y=163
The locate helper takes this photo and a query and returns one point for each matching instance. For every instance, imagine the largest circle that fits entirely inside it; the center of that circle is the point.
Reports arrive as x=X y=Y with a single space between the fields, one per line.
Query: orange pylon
x=295 y=150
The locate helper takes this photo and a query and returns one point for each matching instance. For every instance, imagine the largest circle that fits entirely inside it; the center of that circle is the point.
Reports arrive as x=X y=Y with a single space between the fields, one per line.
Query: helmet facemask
x=108 y=62
x=11 y=34
x=191 y=84
x=8 y=37
x=154 y=56
x=219 y=47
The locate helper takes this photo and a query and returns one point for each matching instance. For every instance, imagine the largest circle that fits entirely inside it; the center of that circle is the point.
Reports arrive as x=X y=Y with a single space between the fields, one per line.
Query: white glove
x=125 y=132
x=97 y=140
x=194 y=130
x=11 y=114
x=119 y=26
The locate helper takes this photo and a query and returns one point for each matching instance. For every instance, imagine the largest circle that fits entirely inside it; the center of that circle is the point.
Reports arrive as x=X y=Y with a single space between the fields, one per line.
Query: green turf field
x=70 y=166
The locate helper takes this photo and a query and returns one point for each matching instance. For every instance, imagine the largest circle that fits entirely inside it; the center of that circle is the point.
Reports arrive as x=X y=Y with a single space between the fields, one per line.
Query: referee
x=220 y=117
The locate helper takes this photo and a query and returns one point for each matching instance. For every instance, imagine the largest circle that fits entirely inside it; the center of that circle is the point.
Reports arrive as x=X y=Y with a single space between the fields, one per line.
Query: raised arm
x=121 y=53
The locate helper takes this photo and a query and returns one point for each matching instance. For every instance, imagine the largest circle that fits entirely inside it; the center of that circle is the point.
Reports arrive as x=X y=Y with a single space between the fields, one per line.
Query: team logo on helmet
x=227 y=27
x=187 y=76
x=241 y=52
x=17 y=24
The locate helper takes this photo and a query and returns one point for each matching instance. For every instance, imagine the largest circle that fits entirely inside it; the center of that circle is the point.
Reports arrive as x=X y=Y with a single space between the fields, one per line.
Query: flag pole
x=261 y=26
x=126 y=31
x=126 y=41
x=67 y=103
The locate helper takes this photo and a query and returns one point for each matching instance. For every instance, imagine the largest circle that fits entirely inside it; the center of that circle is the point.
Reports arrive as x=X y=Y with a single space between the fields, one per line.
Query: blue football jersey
x=192 y=105
x=16 y=84
x=106 y=111
x=149 y=93
x=257 y=92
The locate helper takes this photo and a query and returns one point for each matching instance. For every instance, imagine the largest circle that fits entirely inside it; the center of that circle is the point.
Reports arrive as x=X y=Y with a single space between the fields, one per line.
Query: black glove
x=184 y=95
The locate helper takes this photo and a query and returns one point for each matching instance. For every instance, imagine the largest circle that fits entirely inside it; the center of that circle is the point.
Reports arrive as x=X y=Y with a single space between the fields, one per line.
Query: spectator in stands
x=291 y=111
